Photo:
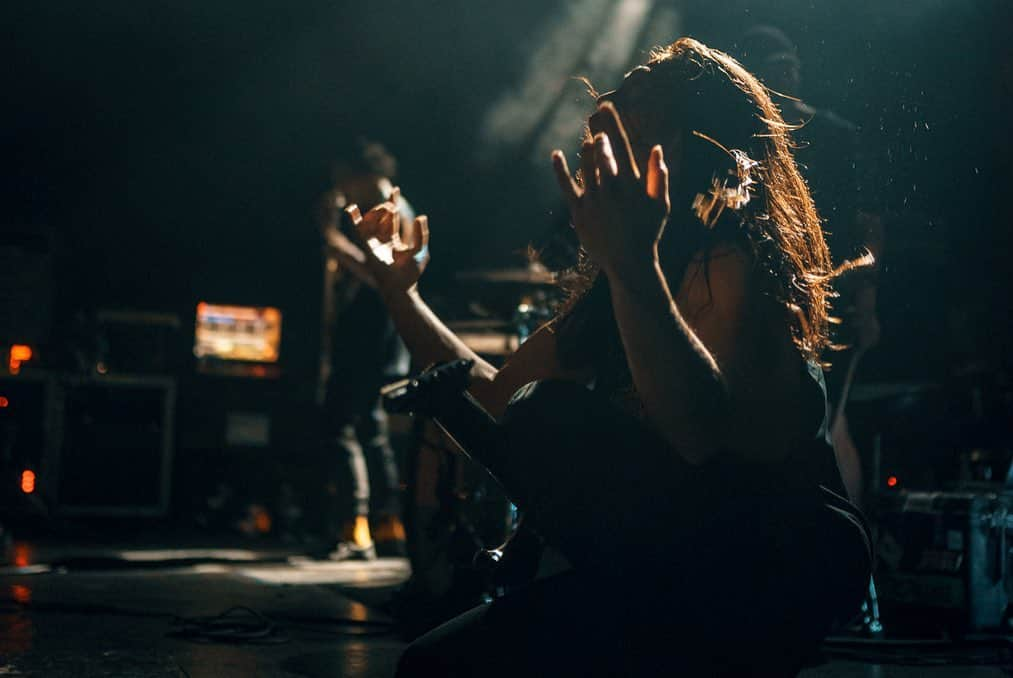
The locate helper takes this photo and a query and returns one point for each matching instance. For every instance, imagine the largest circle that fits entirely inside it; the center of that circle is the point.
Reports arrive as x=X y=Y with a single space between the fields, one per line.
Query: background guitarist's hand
x=395 y=250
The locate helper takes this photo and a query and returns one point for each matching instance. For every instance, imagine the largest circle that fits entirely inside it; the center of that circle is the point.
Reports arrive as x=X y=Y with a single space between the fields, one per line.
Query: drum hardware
x=497 y=337
x=486 y=337
x=478 y=325
x=490 y=343
x=532 y=312
x=532 y=275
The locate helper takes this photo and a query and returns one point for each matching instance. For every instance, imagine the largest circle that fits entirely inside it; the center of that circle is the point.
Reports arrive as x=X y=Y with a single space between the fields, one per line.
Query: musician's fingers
x=606 y=120
x=567 y=185
x=394 y=201
x=378 y=223
x=657 y=175
x=396 y=221
x=407 y=232
x=353 y=217
x=420 y=238
x=389 y=224
x=588 y=174
x=604 y=160
x=423 y=226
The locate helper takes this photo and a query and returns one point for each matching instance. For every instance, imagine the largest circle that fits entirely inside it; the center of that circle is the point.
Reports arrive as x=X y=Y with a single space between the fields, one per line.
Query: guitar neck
x=440 y=393
x=473 y=430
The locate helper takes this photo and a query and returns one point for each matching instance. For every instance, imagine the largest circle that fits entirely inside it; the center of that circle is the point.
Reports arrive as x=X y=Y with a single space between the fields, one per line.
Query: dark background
x=176 y=150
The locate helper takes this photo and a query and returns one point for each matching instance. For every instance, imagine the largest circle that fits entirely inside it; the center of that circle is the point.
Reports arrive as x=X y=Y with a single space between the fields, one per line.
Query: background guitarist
x=360 y=351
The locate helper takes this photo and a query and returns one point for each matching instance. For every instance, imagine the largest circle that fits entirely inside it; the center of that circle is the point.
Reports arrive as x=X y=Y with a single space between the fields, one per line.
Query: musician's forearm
x=676 y=378
x=425 y=335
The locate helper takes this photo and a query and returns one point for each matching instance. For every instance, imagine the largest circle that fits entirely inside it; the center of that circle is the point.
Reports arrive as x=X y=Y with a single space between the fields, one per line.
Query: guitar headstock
x=423 y=393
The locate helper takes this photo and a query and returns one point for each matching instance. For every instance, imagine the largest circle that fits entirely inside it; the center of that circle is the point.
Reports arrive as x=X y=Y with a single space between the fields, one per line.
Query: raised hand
x=395 y=251
x=619 y=215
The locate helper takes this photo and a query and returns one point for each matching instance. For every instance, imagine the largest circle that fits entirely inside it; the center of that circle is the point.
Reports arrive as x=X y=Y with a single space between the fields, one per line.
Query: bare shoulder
x=714 y=298
x=720 y=276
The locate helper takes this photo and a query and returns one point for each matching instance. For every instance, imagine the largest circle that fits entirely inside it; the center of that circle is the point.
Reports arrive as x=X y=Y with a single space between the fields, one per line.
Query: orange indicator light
x=19 y=353
x=28 y=481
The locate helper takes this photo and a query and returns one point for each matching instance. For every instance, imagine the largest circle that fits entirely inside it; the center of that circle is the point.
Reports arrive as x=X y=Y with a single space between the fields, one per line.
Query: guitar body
x=562 y=453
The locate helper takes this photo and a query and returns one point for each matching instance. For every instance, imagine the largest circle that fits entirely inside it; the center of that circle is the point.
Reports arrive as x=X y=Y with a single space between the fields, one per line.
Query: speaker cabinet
x=114 y=455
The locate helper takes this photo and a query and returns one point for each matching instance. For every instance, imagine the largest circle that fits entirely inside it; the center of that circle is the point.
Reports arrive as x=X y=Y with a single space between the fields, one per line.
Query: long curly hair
x=735 y=179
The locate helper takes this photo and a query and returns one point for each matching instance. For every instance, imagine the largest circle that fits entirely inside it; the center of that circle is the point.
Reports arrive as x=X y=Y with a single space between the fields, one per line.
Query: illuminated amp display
x=244 y=333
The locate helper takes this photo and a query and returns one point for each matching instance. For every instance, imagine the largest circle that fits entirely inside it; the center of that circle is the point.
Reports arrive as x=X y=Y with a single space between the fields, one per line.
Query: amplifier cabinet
x=28 y=410
x=115 y=443
x=944 y=553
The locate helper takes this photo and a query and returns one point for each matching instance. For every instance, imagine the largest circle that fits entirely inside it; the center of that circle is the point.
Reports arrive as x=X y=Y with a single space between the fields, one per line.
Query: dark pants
x=359 y=441
x=721 y=569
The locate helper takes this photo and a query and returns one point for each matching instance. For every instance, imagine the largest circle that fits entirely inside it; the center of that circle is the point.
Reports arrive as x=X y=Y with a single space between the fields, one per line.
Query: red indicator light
x=22 y=594
x=263 y=522
x=28 y=481
x=22 y=555
x=891 y=481
x=4 y=402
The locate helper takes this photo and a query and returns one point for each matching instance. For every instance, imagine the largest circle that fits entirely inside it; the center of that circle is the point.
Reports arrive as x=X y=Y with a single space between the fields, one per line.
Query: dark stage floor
x=89 y=612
